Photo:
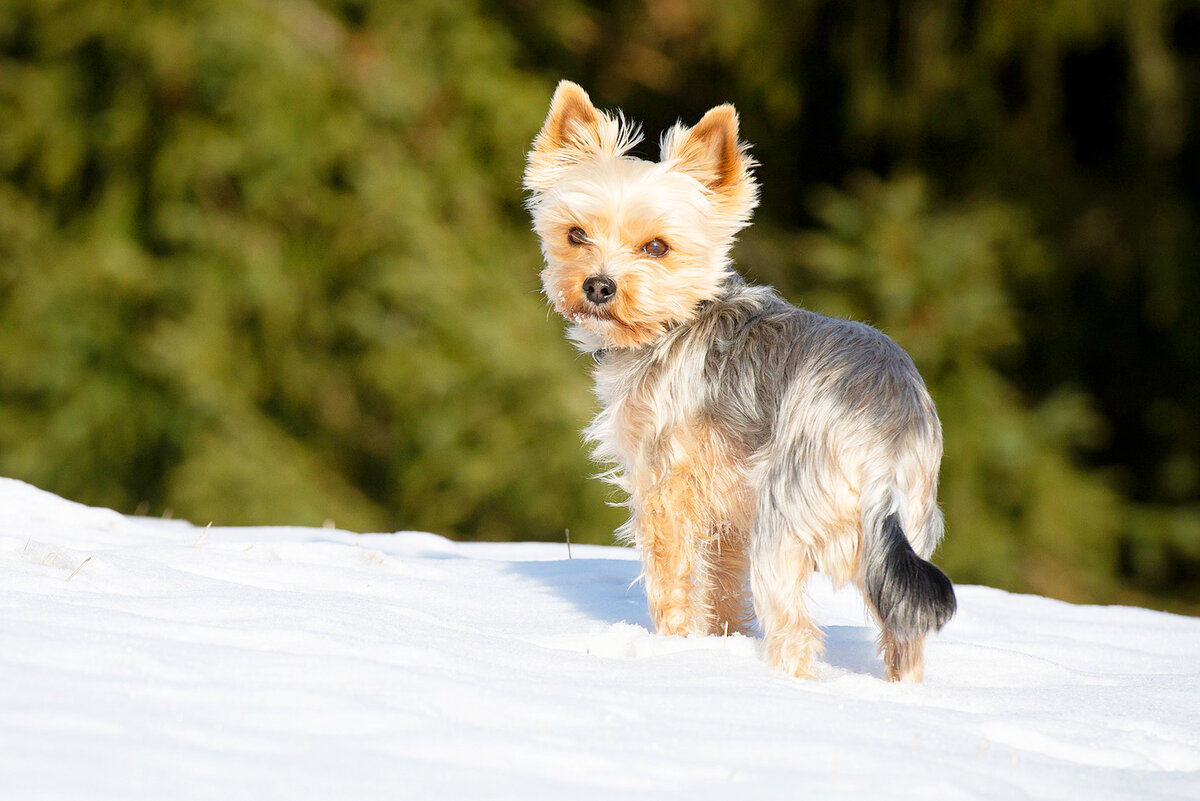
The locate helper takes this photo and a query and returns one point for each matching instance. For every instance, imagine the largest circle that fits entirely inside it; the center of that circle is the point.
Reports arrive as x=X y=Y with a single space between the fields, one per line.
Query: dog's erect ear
x=573 y=122
x=712 y=154
x=574 y=131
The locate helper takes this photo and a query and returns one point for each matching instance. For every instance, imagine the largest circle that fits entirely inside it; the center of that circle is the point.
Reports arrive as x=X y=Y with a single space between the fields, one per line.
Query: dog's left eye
x=656 y=248
x=577 y=236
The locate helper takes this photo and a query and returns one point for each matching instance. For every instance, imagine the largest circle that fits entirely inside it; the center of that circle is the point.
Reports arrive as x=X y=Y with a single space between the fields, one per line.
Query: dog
x=756 y=441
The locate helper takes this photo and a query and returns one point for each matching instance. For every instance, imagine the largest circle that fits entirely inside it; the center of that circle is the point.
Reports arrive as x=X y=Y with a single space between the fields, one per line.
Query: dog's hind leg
x=780 y=565
x=807 y=518
x=792 y=640
x=903 y=660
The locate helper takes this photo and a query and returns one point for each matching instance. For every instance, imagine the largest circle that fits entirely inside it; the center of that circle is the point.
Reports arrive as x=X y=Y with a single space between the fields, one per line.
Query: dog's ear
x=572 y=124
x=574 y=131
x=712 y=154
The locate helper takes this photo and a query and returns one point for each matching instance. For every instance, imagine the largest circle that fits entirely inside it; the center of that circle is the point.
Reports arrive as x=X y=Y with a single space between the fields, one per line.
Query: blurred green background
x=265 y=261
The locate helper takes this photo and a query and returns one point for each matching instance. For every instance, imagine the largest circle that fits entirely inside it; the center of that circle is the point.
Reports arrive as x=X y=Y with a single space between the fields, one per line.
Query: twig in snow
x=76 y=570
x=203 y=536
x=568 y=543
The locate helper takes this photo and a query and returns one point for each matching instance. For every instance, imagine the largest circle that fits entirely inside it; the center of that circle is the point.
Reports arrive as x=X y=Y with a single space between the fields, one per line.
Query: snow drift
x=154 y=659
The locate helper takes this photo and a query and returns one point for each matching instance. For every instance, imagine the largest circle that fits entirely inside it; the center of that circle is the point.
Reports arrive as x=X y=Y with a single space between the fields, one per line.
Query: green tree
x=261 y=263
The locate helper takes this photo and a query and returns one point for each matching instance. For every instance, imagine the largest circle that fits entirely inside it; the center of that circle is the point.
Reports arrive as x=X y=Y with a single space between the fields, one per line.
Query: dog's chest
x=646 y=404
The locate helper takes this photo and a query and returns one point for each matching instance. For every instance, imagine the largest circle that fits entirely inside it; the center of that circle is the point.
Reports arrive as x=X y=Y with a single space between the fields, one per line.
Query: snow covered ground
x=156 y=660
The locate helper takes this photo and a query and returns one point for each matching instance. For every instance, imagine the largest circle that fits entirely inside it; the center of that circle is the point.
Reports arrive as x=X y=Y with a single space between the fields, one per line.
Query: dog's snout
x=599 y=289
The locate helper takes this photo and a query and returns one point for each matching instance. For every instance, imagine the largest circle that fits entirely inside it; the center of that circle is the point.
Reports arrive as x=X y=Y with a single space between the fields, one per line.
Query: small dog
x=754 y=439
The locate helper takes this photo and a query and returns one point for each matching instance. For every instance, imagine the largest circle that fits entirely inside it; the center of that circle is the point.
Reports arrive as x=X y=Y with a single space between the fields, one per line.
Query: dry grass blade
x=77 y=569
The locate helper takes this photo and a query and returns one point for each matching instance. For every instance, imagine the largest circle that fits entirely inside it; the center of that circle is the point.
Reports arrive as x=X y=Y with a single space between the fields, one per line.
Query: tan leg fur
x=692 y=529
x=904 y=660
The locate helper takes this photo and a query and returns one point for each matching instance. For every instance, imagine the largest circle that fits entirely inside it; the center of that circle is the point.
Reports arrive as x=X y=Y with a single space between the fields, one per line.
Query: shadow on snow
x=610 y=591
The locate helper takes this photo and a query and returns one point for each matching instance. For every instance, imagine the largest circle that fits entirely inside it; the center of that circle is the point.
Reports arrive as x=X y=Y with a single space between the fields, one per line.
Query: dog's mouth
x=597 y=313
x=600 y=321
x=581 y=312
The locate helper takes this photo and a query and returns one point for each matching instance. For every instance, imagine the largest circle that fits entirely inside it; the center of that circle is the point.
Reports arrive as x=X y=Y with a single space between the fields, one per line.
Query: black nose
x=599 y=289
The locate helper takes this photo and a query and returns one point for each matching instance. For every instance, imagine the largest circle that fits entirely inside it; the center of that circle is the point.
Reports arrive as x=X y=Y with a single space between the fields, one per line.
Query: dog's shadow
x=603 y=589
x=854 y=649
x=608 y=590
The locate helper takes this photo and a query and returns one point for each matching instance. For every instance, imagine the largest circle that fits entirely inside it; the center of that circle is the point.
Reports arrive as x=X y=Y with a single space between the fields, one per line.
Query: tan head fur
x=633 y=247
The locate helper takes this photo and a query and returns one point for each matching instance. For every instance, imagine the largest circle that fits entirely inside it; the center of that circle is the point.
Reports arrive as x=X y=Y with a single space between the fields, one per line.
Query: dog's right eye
x=577 y=236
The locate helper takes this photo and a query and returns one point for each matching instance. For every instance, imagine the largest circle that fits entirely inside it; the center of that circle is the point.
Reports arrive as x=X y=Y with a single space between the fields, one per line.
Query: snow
x=146 y=659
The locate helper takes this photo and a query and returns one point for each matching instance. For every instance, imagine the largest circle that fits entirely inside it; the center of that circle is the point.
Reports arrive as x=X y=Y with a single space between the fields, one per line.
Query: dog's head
x=632 y=247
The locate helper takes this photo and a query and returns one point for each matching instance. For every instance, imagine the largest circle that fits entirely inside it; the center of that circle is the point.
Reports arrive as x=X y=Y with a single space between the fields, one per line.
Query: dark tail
x=911 y=596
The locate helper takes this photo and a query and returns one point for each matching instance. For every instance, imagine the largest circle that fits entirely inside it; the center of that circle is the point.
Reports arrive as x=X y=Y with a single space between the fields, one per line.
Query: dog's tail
x=911 y=596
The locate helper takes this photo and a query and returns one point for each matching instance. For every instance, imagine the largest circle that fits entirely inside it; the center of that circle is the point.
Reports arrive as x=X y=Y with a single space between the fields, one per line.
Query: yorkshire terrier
x=756 y=441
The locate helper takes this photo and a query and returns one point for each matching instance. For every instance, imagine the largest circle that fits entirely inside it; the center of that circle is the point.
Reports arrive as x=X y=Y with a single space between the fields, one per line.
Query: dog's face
x=632 y=247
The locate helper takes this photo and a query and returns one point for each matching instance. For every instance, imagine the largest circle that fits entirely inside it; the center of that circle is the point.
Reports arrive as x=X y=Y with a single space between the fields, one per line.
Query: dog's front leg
x=669 y=532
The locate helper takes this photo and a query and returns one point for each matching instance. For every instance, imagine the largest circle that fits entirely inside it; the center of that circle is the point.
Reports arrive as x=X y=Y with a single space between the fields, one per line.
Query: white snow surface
x=144 y=659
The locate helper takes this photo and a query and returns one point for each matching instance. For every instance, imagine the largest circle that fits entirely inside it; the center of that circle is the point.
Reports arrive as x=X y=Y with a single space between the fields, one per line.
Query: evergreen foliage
x=262 y=264
x=266 y=262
